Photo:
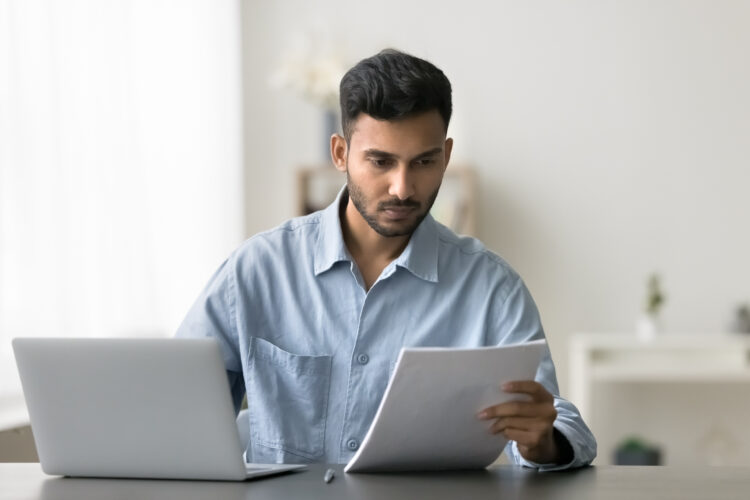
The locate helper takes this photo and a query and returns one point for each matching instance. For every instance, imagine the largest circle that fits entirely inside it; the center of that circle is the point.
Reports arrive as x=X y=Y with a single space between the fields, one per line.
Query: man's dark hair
x=392 y=85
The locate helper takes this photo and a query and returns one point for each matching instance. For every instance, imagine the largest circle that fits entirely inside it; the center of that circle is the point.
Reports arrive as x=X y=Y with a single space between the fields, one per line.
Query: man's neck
x=371 y=251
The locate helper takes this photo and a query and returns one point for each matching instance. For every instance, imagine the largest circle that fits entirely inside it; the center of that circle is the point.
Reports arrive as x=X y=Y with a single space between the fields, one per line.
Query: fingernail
x=507 y=386
x=482 y=415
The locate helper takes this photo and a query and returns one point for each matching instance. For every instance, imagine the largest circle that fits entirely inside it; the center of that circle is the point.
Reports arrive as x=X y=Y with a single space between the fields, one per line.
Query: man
x=311 y=315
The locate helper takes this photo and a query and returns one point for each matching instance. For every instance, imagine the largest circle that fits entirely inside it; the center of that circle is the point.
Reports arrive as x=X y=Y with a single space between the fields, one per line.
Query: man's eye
x=380 y=162
x=425 y=162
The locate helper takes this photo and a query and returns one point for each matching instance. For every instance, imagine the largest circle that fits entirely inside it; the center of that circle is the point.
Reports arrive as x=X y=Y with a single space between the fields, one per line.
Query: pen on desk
x=328 y=476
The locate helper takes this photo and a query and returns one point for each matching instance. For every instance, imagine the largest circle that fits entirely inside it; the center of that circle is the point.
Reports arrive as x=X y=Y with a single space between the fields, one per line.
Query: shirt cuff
x=549 y=467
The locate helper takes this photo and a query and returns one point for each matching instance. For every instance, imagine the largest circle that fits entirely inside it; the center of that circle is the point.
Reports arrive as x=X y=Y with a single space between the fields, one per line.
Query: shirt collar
x=330 y=247
x=420 y=257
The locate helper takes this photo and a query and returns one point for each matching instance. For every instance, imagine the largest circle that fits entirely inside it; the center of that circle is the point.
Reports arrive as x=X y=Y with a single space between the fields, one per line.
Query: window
x=120 y=164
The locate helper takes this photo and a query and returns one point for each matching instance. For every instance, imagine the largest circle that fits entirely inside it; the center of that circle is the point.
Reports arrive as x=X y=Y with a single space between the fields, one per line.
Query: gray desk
x=27 y=481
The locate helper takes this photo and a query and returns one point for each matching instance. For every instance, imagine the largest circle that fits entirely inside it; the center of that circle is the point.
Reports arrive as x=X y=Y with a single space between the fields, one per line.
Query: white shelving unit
x=693 y=358
x=618 y=368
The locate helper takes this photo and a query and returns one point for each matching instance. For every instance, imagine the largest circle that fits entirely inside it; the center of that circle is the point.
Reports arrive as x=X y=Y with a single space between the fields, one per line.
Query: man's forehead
x=423 y=130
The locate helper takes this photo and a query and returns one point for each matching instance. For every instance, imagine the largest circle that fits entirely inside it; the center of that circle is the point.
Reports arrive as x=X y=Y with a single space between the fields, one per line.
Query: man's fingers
x=519 y=409
x=525 y=439
x=530 y=387
x=519 y=424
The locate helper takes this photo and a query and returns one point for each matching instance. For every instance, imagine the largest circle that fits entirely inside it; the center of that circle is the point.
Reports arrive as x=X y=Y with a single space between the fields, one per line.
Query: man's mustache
x=385 y=205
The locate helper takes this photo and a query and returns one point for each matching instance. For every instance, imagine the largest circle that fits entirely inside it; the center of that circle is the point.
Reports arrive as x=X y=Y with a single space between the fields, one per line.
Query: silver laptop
x=136 y=408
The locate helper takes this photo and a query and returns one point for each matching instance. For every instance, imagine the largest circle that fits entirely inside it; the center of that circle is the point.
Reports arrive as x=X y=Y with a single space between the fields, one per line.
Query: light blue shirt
x=314 y=350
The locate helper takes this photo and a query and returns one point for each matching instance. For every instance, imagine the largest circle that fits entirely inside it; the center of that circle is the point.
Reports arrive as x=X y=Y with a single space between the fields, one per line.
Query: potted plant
x=648 y=324
x=635 y=451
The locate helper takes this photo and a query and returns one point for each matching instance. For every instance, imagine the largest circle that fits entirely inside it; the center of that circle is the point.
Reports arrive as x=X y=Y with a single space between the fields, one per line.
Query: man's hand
x=529 y=423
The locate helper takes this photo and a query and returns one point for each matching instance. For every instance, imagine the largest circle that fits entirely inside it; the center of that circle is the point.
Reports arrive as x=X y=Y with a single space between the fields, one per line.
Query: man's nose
x=402 y=183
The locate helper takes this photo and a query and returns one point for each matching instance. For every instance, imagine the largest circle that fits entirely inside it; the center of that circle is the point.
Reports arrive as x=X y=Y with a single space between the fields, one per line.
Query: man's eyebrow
x=384 y=154
x=379 y=153
x=431 y=152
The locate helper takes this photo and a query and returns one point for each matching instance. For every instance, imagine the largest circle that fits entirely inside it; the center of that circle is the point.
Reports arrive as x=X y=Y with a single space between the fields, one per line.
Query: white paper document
x=427 y=419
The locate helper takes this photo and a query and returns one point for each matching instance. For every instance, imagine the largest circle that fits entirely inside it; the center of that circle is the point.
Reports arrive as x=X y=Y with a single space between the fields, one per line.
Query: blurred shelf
x=673 y=358
x=656 y=375
x=13 y=413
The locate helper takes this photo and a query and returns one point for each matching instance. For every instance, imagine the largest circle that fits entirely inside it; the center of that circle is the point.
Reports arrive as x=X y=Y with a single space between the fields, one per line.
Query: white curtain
x=120 y=164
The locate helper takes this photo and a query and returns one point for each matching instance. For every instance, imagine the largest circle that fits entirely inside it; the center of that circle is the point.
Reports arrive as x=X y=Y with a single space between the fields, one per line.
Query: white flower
x=313 y=69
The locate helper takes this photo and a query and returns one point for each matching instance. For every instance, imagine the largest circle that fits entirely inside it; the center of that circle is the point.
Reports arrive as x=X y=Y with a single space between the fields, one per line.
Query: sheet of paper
x=427 y=417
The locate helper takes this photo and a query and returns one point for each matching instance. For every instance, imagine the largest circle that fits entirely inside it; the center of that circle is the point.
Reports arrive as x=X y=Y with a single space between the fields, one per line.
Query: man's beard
x=360 y=203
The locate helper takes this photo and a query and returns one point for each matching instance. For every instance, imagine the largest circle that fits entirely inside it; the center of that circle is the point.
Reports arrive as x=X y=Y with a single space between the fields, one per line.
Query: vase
x=648 y=456
x=647 y=327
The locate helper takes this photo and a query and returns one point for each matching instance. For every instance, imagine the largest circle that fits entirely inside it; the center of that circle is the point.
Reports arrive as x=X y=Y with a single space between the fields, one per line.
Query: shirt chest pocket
x=287 y=398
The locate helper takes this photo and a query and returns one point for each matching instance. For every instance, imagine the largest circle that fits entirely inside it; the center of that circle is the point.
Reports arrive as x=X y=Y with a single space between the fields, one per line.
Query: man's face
x=394 y=170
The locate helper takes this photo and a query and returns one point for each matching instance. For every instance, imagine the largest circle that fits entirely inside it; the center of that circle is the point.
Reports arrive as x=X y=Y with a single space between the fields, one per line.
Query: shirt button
x=363 y=359
x=352 y=444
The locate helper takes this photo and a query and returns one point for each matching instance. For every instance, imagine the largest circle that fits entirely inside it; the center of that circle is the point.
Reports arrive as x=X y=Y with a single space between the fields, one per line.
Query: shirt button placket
x=358 y=380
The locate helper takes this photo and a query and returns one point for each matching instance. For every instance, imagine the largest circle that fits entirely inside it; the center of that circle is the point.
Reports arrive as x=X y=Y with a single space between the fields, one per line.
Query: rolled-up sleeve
x=518 y=321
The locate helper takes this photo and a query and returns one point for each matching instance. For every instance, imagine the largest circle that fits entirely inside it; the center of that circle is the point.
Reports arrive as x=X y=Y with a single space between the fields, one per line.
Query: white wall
x=611 y=140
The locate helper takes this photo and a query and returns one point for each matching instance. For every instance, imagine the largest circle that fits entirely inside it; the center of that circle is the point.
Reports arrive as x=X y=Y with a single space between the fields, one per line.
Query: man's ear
x=338 y=152
x=448 y=148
